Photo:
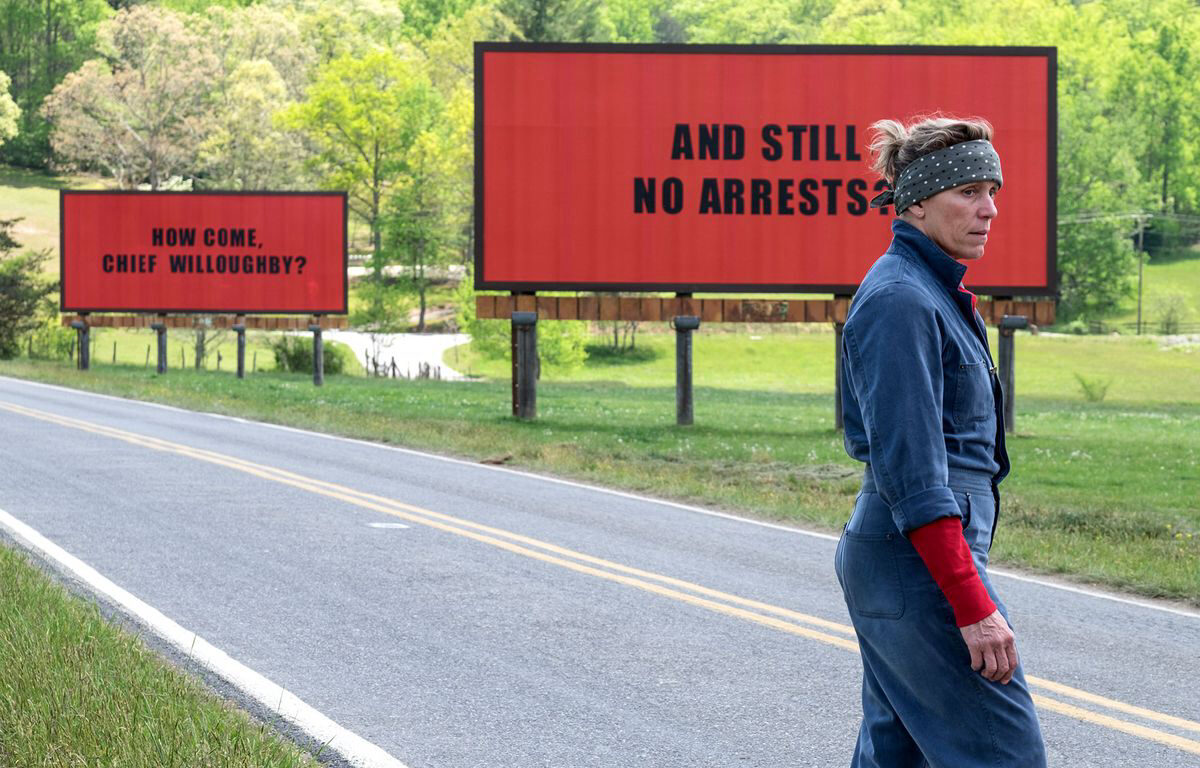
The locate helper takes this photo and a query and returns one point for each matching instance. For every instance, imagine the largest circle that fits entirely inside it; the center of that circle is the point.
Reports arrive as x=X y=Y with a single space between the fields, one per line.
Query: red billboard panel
x=231 y=252
x=737 y=168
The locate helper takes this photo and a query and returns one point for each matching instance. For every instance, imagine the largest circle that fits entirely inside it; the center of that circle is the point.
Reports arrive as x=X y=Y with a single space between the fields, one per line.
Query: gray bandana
x=941 y=169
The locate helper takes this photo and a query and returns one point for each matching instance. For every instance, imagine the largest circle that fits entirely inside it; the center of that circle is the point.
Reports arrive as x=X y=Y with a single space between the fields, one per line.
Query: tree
x=337 y=29
x=363 y=115
x=40 y=42
x=141 y=112
x=560 y=20
x=23 y=288
x=756 y=21
x=10 y=113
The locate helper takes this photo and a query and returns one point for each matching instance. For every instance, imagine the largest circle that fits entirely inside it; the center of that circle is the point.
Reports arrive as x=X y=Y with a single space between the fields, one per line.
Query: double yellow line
x=765 y=614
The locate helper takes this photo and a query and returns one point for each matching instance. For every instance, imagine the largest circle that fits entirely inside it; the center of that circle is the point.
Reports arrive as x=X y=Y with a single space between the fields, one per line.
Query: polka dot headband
x=941 y=169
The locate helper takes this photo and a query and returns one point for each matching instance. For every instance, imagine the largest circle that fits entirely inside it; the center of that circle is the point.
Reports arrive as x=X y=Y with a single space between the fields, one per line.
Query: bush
x=23 y=288
x=1093 y=390
x=50 y=340
x=606 y=354
x=295 y=354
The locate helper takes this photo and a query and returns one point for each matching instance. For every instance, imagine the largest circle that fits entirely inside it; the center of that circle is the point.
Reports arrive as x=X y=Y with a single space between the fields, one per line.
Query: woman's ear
x=917 y=210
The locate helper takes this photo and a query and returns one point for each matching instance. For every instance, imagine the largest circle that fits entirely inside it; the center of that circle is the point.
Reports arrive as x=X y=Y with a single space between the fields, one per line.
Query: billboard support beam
x=1009 y=324
x=82 y=339
x=239 y=326
x=525 y=324
x=684 y=404
x=318 y=353
x=160 y=330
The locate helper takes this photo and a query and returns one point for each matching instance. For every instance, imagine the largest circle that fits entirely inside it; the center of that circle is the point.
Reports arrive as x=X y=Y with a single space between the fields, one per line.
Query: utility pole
x=1141 y=222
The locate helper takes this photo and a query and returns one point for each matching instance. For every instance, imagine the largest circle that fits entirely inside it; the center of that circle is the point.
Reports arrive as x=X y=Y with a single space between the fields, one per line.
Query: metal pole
x=240 y=327
x=160 y=329
x=838 y=421
x=318 y=355
x=526 y=326
x=684 y=403
x=1009 y=324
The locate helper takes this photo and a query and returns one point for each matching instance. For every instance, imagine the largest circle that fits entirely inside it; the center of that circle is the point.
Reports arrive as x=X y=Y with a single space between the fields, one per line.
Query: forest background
x=376 y=97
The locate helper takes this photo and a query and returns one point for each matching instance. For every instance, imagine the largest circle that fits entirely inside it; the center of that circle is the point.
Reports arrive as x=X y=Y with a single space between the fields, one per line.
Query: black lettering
x=832 y=186
x=237 y=238
x=854 y=190
x=710 y=197
x=235 y=265
x=672 y=195
x=807 y=189
x=186 y=236
x=735 y=142
x=879 y=187
x=274 y=262
x=831 y=152
x=797 y=132
x=122 y=262
x=734 y=189
x=248 y=265
x=709 y=141
x=760 y=196
x=156 y=236
x=681 y=146
x=153 y=261
x=107 y=262
x=643 y=195
x=260 y=265
x=785 y=197
x=178 y=262
x=252 y=239
x=851 y=150
x=814 y=143
x=220 y=264
x=287 y=264
x=773 y=150
x=209 y=237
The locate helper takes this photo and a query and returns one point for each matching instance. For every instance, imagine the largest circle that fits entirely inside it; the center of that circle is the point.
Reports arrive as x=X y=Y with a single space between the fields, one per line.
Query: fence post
x=525 y=324
x=318 y=355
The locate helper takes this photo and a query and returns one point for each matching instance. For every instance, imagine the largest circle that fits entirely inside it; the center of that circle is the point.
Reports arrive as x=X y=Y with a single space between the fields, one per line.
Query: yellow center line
x=637 y=578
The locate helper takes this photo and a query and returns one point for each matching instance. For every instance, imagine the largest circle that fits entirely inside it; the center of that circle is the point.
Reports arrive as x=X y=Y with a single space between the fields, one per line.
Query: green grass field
x=77 y=691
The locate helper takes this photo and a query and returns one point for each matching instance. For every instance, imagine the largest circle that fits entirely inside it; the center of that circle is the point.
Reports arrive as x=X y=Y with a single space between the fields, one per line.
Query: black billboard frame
x=1050 y=53
x=62 y=194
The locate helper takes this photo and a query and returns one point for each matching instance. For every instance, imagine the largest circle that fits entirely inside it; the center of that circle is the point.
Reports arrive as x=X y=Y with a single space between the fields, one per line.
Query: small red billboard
x=203 y=252
x=737 y=168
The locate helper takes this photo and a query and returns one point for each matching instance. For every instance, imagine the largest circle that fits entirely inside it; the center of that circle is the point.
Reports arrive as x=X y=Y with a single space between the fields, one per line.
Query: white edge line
x=600 y=489
x=357 y=750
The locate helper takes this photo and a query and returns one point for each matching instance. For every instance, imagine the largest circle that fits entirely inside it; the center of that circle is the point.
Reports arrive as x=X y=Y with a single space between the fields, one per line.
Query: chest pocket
x=973 y=399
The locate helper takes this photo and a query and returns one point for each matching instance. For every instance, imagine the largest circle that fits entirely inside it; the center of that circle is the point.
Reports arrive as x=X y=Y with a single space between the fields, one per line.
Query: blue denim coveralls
x=923 y=409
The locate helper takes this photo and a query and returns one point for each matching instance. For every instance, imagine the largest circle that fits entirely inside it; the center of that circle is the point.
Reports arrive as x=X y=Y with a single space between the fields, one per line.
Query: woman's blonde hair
x=894 y=145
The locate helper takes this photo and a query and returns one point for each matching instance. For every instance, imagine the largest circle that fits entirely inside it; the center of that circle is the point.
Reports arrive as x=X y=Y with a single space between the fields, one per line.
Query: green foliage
x=295 y=354
x=1093 y=389
x=9 y=111
x=40 y=42
x=607 y=354
x=560 y=20
x=23 y=288
x=50 y=340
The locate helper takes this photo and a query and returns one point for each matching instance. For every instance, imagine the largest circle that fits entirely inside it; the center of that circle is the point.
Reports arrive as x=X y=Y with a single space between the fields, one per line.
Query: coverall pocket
x=973 y=400
x=871 y=575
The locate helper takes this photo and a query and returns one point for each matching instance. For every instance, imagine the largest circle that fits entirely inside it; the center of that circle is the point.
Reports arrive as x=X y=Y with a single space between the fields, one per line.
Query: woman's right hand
x=993 y=647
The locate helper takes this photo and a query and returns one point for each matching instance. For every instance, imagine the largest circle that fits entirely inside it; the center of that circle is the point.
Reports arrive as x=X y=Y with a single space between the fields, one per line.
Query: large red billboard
x=737 y=168
x=231 y=252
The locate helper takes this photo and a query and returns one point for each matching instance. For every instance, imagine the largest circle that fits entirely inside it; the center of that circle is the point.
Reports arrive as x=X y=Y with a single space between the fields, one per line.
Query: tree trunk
x=420 y=276
x=200 y=348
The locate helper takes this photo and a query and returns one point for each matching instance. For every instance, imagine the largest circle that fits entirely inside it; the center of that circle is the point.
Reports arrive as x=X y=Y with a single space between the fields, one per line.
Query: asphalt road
x=458 y=615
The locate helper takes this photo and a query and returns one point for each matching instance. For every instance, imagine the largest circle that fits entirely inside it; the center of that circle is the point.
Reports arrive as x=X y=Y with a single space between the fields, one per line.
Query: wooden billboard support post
x=1009 y=324
x=840 y=308
x=684 y=410
x=525 y=324
x=318 y=352
x=239 y=326
x=82 y=338
x=160 y=330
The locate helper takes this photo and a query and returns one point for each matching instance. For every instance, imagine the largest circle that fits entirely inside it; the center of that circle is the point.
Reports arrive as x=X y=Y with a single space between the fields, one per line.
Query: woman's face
x=958 y=219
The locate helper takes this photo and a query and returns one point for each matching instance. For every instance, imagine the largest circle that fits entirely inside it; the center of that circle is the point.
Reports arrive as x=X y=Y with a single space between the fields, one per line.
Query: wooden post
x=1141 y=223
x=525 y=324
x=83 y=345
x=684 y=403
x=160 y=329
x=1008 y=327
x=318 y=355
x=239 y=326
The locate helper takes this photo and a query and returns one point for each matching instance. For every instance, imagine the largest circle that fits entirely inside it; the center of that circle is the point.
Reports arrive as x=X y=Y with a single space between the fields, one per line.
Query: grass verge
x=76 y=690
x=1101 y=492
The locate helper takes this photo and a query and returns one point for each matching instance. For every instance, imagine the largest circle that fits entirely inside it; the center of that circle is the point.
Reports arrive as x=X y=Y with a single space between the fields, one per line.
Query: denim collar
x=947 y=270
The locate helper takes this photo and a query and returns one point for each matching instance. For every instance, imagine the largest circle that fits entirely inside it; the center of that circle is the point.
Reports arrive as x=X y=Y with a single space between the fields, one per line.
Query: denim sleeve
x=894 y=364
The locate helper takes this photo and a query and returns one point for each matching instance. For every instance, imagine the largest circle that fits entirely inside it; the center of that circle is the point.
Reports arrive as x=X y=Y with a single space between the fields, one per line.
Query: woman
x=942 y=683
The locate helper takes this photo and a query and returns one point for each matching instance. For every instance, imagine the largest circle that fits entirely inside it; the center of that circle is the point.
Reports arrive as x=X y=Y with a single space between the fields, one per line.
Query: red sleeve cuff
x=946 y=554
